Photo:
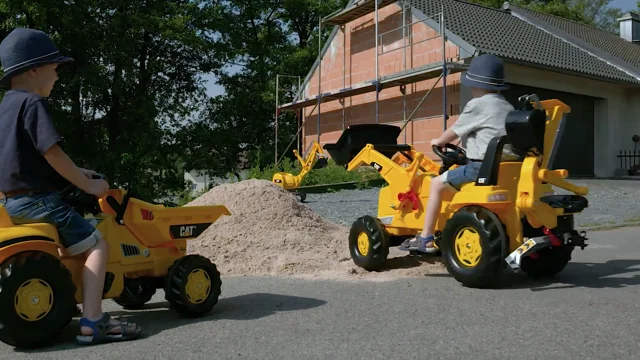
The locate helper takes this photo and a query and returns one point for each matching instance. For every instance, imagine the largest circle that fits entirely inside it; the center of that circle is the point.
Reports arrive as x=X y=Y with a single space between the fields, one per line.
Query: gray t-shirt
x=483 y=119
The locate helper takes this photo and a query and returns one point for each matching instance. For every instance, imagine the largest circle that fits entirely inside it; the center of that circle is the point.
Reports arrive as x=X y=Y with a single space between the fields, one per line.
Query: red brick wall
x=357 y=49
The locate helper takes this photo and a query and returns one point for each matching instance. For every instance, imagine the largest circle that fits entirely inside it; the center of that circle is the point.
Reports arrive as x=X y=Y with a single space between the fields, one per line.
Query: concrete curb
x=609 y=226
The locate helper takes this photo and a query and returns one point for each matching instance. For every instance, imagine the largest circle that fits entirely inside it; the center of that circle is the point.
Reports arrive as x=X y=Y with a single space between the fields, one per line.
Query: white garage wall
x=616 y=114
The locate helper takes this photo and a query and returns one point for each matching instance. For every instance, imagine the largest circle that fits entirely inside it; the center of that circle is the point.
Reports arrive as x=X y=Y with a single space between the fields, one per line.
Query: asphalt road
x=590 y=312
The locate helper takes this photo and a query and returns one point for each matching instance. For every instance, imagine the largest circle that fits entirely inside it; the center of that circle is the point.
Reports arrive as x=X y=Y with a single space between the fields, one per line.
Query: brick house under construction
x=595 y=72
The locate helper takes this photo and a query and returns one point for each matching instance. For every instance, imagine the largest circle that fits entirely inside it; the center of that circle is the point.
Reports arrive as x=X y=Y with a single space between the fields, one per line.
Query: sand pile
x=270 y=232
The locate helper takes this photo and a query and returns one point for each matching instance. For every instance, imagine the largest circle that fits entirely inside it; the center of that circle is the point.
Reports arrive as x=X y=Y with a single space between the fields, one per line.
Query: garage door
x=577 y=144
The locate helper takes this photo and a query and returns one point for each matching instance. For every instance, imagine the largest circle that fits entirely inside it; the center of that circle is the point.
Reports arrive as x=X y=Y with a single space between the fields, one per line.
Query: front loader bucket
x=356 y=137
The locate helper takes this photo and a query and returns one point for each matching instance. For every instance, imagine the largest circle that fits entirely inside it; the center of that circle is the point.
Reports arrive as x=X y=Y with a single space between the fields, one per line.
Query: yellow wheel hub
x=467 y=245
x=33 y=300
x=198 y=286
x=363 y=243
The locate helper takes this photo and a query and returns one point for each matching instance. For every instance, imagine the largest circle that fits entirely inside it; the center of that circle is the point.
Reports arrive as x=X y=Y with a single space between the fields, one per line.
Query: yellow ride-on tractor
x=40 y=286
x=314 y=159
x=510 y=216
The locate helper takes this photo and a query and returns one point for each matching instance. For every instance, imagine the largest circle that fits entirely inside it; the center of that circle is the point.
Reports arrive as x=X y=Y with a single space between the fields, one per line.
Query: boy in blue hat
x=482 y=119
x=34 y=169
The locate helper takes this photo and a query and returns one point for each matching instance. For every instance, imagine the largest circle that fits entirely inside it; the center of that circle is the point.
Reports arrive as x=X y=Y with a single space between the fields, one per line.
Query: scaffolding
x=358 y=9
x=278 y=109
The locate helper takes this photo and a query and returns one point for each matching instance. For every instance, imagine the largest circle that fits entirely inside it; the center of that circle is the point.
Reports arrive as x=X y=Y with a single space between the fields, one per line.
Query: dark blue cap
x=485 y=72
x=25 y=49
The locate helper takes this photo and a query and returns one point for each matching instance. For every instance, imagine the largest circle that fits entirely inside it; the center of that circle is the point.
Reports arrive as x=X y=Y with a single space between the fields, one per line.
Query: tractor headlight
x=498 y=197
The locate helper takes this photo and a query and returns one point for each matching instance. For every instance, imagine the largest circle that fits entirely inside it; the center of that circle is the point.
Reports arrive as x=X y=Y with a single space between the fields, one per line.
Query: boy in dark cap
x=482 y=119
x=34 y=169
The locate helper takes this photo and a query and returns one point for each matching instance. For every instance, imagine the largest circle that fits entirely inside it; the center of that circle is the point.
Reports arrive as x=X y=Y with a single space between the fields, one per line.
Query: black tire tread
x=22 y=334
x=130 y=302
x=176 y=280
x=551 y=262
x=492 y=231
x=378 y=243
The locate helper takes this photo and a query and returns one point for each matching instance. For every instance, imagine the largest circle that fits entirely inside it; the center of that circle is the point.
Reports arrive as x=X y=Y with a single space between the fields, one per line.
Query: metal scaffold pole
x=319 y=69
x=377 y=73
x=277 y=113
x=444 y=70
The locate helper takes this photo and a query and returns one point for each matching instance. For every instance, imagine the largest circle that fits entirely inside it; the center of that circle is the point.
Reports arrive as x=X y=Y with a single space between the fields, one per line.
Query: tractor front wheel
x=368 y=243
x=472 y=246
x=193 y=286
x=37 y=298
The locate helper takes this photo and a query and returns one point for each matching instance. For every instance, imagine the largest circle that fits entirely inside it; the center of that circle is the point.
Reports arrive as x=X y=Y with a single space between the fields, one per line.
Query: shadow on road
x=156 y=317
x=610 y=274
x=409 y=262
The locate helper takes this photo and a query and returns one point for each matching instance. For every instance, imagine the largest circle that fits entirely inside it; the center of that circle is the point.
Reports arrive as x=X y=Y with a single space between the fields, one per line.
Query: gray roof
x=503 y=34
x=603 y=43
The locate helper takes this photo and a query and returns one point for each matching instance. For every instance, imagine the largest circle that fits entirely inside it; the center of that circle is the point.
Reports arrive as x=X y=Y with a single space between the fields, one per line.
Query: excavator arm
x=307 y=163
x=401 y=179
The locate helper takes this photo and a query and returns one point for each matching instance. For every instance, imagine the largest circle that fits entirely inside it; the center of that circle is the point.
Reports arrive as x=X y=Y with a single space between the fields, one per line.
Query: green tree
x=134 y=84
x=263 y=38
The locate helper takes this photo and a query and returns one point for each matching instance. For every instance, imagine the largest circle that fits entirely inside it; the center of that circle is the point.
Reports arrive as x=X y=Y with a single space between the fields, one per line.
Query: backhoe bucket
x=321 y=163
x=355 y=137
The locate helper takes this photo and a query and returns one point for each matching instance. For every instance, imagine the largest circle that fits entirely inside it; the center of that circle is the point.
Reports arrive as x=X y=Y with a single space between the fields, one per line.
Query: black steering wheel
x=81 y=201
x=456 y=156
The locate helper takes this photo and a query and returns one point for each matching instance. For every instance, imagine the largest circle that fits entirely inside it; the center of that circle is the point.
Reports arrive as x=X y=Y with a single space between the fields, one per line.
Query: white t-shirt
x=483 y=119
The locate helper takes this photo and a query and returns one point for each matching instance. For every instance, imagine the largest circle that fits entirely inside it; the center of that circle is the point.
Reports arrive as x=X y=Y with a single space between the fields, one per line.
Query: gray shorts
x=462 y=175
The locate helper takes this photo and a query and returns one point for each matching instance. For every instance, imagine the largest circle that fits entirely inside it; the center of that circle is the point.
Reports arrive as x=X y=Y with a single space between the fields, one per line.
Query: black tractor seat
x=570 y=203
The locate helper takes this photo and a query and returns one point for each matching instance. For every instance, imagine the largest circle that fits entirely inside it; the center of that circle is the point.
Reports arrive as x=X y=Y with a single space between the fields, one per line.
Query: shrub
x=331 y=174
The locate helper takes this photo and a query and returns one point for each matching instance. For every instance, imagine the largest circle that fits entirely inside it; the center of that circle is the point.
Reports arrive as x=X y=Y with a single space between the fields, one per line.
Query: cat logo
x=376 y=166
x=187 y=231
x=277 y=181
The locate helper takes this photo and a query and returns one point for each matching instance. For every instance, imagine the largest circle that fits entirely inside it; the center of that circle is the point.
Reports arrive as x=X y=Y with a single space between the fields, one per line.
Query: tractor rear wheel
x=37 y=298
x=193 y=286
x=368 y=243
x=548 y=262
x=472 y=246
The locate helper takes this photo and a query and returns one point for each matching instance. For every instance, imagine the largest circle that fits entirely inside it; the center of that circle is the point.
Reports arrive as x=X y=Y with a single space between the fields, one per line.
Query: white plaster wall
x=616 y=116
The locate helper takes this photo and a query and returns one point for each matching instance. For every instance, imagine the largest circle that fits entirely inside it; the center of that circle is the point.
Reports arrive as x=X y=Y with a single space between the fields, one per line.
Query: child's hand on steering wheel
x=97 y=187
x=88 y=173
x=437 y=142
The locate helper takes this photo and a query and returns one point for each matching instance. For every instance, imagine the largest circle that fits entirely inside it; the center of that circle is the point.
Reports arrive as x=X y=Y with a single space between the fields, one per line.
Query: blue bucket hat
x=485 y=72
x=24 y=49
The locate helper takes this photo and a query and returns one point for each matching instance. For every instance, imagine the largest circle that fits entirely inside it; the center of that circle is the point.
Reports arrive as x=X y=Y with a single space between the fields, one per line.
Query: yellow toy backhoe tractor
x=314 y=159
x=510 y=216
x=40 y=285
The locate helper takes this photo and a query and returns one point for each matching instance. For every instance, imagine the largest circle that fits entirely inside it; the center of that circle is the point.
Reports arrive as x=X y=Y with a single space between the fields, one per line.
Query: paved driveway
x=591 y=312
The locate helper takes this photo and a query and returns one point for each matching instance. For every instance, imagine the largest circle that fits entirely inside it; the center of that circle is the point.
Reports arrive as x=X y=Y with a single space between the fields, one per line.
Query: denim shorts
x=77 y=234
x=462 y=174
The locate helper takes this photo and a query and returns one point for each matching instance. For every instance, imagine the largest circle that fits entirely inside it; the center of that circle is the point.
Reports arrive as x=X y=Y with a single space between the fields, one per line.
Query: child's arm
x=60 y=161
x=447 y=137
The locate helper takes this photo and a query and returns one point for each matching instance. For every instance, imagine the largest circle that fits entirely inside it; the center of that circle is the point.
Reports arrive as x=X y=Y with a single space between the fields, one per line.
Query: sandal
x=103 y=331
x=419 y=243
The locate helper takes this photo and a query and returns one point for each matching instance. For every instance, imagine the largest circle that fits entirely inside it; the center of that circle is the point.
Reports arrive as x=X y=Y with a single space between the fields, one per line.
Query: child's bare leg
x=93 y=282
x=434 y=203
x=94 y=272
